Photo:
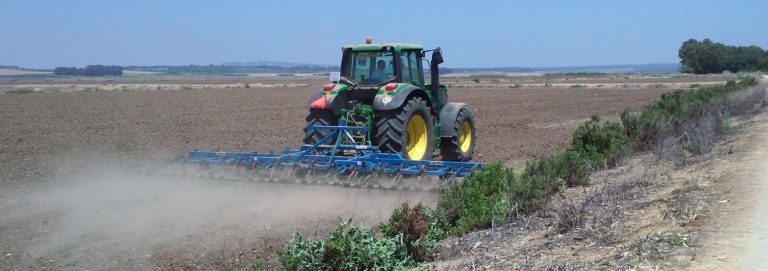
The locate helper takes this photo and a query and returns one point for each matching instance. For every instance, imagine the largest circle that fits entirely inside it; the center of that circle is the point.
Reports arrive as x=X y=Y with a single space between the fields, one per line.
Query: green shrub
x=674 y=108
x=347 y=248
x=516 y=86
x=746 y=80
x=420 y=227
x=578 y=86
x=602 y=144
x=479 y=200
x=554 y=173
x=686 y=69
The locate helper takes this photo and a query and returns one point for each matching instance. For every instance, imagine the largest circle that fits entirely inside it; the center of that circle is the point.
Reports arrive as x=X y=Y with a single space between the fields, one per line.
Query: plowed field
x=66 y=202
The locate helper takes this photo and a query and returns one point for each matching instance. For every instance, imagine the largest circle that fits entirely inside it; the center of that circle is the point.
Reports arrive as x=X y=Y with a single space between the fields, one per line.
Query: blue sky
x=46 y=34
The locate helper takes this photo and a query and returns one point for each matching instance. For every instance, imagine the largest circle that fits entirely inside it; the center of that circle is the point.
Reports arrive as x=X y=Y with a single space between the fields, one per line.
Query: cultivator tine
x=351 y=174
x=422 y=169
x=448 y=178
x=375 y=174
x=272 y=173
x=398 y=174
x=312 y=168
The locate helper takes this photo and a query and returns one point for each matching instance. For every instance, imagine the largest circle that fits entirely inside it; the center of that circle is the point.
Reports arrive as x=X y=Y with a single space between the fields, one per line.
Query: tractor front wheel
x=408 y=130
x=461 y=146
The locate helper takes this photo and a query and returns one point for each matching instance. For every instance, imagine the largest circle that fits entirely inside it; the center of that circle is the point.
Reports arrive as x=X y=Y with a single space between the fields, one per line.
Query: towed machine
x=377 y=123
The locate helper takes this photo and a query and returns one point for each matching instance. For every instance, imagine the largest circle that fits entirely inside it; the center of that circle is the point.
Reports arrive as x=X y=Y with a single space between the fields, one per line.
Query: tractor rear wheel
x=461 y=146
x=407 y=130
x=320 y=117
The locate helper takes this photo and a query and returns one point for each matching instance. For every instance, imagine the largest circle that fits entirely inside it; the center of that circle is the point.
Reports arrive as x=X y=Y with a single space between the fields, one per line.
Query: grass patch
x=257 y=266
x=516 y=86
x=577 y=86
x=727 y=125
x=23 y=90
x=676 y=239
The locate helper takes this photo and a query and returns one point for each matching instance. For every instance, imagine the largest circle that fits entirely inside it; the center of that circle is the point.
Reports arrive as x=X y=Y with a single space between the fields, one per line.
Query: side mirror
x=437 y=56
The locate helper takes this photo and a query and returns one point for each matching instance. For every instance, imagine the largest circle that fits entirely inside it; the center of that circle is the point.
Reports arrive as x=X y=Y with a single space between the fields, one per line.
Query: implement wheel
x=408 y=130
x=461 y=146
x=319 y=117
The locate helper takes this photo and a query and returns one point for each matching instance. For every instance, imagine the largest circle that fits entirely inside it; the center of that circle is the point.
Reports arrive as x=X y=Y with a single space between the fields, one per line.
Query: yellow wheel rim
x=465 y=136
x=416 y=137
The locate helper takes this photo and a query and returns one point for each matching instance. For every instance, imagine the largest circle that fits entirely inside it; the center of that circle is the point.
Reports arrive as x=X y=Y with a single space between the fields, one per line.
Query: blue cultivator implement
x=337 y=160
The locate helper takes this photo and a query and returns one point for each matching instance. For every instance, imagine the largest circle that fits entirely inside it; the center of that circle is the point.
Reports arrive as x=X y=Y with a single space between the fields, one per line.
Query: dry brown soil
x=68 y=200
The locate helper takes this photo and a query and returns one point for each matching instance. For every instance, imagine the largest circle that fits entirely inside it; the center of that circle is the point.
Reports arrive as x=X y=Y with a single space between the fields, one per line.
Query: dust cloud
x=107 y=217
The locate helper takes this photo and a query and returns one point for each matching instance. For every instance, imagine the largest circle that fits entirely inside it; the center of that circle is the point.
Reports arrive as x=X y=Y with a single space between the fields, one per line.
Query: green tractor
x=382 y=86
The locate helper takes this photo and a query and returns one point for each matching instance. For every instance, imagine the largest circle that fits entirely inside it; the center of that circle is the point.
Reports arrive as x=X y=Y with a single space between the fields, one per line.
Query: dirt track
x=51 y=142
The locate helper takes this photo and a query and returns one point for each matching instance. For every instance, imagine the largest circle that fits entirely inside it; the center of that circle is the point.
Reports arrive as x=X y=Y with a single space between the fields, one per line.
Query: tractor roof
x=379 y=46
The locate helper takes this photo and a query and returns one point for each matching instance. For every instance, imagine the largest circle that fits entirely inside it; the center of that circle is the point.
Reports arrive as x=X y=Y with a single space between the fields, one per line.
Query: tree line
x=90 y=70
x=707 y=56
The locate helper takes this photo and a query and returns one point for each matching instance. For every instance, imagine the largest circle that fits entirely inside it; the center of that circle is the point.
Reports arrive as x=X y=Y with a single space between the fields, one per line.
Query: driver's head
x=381 y=64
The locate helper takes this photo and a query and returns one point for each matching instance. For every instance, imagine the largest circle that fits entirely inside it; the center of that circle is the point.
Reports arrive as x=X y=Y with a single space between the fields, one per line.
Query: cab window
x=411 y=68
x=370 y=67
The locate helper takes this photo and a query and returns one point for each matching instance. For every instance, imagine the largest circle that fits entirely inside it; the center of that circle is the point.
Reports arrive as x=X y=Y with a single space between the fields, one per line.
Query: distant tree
x=742 y=58
x=763 y=63
x=65 y=71
x=90 y=70
x=712 y=57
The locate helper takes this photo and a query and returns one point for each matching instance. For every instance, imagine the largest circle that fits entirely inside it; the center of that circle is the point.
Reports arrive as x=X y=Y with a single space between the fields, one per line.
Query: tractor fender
x=332 y=103
x=392 y=102
x=448 y=116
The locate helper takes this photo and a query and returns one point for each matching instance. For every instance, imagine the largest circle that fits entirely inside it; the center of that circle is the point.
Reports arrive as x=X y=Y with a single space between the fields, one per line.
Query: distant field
x=22 y=72
x=147 y=81
x=139 y=73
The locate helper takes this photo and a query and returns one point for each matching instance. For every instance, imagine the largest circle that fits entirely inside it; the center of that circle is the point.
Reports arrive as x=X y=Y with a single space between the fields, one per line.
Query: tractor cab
x=370 y=67
x=379 y=64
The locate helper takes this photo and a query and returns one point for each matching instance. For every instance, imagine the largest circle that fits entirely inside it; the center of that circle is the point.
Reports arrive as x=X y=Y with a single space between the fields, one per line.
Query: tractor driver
x=378 y=74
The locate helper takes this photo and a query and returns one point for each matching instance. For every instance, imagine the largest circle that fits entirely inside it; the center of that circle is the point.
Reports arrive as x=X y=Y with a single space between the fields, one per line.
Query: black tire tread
x=450 y=149
x=389 y=126
x=318 y=117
